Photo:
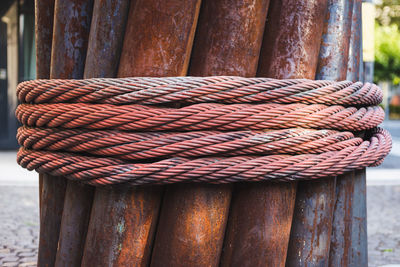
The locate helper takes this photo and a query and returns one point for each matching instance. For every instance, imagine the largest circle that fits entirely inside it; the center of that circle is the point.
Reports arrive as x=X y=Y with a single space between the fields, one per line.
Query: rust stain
x=310 y=237
x=259 y=225
x=158 y=40
x=292 y=39
x=227 y=42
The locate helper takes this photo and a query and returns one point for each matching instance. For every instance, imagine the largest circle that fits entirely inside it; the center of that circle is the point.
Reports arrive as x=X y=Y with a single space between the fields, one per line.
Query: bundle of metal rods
x=219 y=130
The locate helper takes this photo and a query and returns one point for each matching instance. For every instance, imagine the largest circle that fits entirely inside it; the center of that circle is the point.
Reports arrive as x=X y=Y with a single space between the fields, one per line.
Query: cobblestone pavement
x=19 y=225
x=383 y=225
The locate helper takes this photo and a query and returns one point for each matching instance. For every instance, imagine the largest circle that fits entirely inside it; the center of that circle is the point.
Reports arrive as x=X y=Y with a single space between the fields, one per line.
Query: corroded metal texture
x=227 y=42
x=53 y=193
x=358 y=255
x=105 y=42
x=70 y=38
x=71 y=30
x=116 y=212
x=154 y=45
x=312 y=222
x=191 y=226
x=355 y=46
x=334 y=51
x=290 y=35
x=228 y=38
x=349 y=241
x=122 y=224
x=106 y=37
x=292 y=39
x=50 y=214
x=74 y=223
x=342 y=221
x=259 y=225
x=44 y=13
x=158 y=38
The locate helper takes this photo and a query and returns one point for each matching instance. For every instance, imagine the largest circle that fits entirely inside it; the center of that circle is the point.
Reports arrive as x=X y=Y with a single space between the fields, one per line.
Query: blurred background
x=19 y=212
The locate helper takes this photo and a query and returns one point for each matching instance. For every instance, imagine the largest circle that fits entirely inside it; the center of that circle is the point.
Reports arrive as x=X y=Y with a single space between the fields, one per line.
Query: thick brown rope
x=199 y=89
x=96 y=170
x=89 y=130
x=136 y=146
x=199 y=117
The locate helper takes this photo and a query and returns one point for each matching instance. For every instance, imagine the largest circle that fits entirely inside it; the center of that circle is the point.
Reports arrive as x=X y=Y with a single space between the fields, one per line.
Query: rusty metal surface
x=44 y=12
x=312 y=220
x=358 y=255
x=259 y=225
x=349 y=230
x=104 y=47
x=123 y=222
x=71 y=29
x=75 y=219
x=292 y=39
x=227 y=42
x=106 y=37
x=228 y=38
x=355 y=46
x=312 y=223
x=70 y=38
x=349 y=237
x=158 y=38
x=284 y=41
x=191 y=226
x=51 y=202
x=53 y=193
x=334 y=51
x=342 y=221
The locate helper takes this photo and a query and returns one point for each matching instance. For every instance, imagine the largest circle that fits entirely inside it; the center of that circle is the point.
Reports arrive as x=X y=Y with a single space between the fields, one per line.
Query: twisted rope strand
x=222 y=89
x=102 y=171
x=199 y=117
x=115 y=121
x=134 y=146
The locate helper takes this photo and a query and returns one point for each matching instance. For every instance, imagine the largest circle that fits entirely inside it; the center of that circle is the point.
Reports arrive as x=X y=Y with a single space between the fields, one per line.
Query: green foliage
x=387 y=53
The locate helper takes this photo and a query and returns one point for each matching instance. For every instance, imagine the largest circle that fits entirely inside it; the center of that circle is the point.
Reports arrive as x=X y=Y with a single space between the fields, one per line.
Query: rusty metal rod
x=123 y=220
x=358 y=255
x=102 y=61
x=290 y=50
x=193 y=218
x=71 y=29
x=50 y=204
x=312 y=221
x=106 y=38
x=44 y=13
x=349 y=233
x=104 y=48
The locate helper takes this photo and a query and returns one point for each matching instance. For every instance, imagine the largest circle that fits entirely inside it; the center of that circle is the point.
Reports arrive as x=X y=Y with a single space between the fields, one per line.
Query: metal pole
x=312 y=221
x=50 y=204
x=261 y=214
x=71 y=29
x=104 y=49
x=44 y=13
x=349 y=241
x=193 y=217
x=124 y=219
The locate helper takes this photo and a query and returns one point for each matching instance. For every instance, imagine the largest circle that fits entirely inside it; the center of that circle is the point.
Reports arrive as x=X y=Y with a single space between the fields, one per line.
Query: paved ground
x=19 y=218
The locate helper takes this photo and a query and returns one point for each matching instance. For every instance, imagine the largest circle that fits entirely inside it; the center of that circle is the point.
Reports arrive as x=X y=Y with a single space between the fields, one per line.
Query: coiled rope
x=226 y=129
